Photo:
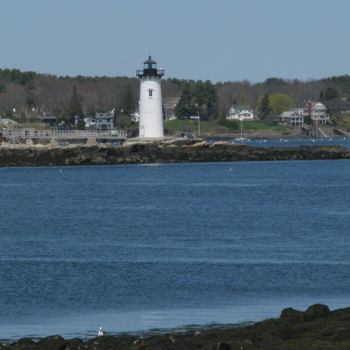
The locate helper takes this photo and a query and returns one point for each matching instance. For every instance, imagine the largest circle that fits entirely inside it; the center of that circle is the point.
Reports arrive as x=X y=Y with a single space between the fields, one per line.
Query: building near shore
x=101 y=121
x=295 y=117
x=240 y=112
x=318 y=112
x=292 y=118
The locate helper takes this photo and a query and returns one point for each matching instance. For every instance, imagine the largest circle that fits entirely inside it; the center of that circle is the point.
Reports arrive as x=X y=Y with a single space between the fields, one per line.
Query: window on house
x=150 y=92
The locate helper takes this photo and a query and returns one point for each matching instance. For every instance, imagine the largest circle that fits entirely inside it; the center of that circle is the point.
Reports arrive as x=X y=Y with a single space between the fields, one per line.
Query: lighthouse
x=151 y=113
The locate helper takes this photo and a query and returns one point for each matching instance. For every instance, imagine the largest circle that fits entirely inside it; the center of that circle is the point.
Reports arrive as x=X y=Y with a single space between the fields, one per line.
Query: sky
x=218 y=40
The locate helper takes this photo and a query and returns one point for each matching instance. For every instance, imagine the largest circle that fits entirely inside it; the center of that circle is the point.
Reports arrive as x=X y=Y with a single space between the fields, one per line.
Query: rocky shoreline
x=316 y=328
x=160 y=152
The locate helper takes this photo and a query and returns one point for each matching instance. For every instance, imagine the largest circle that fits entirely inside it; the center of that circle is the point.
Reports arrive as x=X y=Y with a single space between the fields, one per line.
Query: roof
x=318 y=105
x=290 y=114
x=150 y=61
x=171 y=100
x=104 y=115
x=241 y=107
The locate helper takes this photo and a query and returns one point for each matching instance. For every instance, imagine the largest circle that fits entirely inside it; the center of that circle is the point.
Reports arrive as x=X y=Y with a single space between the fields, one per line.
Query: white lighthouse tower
x=151 y=114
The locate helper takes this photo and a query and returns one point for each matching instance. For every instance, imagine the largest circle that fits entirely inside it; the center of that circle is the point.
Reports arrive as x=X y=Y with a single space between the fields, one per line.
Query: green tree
x=308 y=120
x=75 y=107
x=2 y=87
x=186 y=105
x=264 y=106
x=280 y=103
x=329 y=94
x=127 y=102
x=331 y=98
x=123 y=121
x=241 y=99
x=197 y=97
x=31 y=101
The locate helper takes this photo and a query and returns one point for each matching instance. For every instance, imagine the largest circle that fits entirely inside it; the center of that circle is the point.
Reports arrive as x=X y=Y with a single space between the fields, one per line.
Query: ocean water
x=133 y=247
x=338 y=141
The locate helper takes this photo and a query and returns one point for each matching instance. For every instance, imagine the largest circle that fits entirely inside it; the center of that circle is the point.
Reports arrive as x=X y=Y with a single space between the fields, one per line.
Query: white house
x=292 y=118
x=240 y=112
x=101 y=121
x=318 y=112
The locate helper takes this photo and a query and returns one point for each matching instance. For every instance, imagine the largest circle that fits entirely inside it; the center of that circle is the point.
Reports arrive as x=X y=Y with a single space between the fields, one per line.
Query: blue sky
x=220 y=40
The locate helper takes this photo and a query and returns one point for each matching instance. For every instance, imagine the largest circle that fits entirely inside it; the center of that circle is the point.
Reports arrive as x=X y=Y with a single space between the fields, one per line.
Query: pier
x=18 y=135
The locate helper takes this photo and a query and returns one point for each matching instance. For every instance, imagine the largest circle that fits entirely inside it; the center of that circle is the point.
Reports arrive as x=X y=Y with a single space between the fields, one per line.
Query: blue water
x=339 y=141
x=133 y=247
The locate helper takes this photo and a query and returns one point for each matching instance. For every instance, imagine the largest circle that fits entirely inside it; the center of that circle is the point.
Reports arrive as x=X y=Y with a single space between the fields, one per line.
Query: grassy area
x=259 y=125
x=192 y=126
x=216 y=128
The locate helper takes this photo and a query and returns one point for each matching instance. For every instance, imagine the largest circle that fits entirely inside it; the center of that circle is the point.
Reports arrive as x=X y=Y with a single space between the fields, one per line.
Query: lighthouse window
x=150 y=92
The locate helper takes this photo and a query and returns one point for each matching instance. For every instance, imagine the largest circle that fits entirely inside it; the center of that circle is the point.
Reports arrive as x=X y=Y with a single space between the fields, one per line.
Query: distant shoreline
x=316 y=328
x=178 y=151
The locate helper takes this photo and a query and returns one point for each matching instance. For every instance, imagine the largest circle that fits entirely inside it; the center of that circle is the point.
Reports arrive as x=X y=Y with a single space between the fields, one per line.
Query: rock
x=291 y=315
x=54 y=342
x=178 y=151
x=316 y=328
x=222 y=346
x=316 y=311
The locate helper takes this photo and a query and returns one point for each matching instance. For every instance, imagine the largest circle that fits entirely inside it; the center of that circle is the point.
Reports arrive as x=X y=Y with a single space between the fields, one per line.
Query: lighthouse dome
x=150 y=61
x=150 y=69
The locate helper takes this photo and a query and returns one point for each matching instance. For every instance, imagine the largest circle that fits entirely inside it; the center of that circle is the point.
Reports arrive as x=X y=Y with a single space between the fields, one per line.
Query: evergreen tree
x=242 y=99
x=75 y=108
x=264 y=107
x=197 y=97
x=329 y=94
x=186 y=106
x=127 y=102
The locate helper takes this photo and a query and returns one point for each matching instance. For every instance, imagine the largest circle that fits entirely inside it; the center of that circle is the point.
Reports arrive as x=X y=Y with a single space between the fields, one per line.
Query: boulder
x=54 y=342
x=316 y=311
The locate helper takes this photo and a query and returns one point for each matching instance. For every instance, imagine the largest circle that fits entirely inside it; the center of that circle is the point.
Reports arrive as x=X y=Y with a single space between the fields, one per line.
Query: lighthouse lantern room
x=151 y=113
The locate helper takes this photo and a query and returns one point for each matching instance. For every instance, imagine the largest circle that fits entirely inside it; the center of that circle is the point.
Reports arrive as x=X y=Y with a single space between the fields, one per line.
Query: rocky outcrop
x=161 y=152
x=316 y=328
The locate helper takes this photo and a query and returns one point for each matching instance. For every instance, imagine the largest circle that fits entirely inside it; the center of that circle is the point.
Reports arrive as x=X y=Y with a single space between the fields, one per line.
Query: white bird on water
x=100 y=332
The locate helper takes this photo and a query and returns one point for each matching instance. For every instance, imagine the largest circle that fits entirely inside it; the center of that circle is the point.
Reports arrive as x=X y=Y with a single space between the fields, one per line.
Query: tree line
x=30 y=93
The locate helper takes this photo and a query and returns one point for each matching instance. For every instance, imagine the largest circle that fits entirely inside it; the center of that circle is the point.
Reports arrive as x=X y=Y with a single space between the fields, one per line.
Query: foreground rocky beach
x=316 y=328
x=160 y=152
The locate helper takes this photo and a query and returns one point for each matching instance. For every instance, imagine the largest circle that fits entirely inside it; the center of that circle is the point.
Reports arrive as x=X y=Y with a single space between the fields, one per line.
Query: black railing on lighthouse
x=150 y=72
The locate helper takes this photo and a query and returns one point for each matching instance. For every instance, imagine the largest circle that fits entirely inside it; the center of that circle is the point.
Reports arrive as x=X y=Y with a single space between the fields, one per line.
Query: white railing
x=64 y=134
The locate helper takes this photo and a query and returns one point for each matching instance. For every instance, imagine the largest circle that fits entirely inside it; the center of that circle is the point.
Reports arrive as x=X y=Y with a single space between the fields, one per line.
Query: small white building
x=318 y=112
x=240 y=112
x=292 y=118
x=101 y=121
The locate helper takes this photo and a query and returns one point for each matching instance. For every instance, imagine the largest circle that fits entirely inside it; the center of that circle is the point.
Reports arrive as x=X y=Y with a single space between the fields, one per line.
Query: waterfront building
x=292 y=118
x=318 y=112
x=101 y=121
x=240 y=112
x=150 y=103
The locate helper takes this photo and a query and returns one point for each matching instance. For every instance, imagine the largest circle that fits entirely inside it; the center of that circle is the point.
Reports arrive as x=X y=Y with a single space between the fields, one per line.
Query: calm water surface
x=135 y=247
x=339 y=141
